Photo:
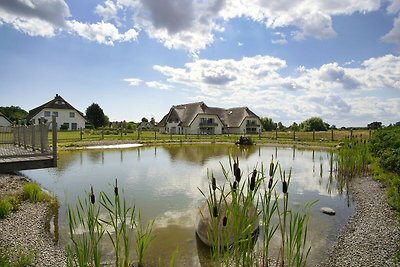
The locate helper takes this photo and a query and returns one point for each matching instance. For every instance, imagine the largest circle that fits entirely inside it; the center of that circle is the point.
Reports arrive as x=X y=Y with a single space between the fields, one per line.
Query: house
x=198 y=118
x=67 y=117
x=4 y=121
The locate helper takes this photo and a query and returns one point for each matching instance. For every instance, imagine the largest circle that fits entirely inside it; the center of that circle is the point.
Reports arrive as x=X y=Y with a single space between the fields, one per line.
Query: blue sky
x=288 y=60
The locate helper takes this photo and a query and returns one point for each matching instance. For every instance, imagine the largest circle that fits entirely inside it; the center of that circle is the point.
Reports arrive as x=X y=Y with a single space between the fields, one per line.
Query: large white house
x=4 y=121
x=198 y=118
x=67 y=117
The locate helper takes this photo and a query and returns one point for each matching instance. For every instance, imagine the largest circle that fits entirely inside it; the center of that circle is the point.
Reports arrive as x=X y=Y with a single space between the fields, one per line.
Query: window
x=72 y=114
x=55 y=113
x=74 y=126
x=47 y=113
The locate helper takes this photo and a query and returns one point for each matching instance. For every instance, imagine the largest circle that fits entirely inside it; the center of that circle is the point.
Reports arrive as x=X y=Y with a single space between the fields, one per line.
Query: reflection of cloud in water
x=186 y=218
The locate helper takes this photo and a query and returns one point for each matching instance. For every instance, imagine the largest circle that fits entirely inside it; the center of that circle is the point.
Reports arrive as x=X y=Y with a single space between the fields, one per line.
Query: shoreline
x=369 y=238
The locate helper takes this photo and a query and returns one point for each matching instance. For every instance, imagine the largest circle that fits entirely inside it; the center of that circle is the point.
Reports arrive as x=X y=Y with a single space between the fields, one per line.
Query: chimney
x=57 y=95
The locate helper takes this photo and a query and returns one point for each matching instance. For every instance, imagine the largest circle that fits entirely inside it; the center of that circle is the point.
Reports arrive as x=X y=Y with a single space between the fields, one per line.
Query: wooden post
x=294 y=135
x=313 y=135
x=54 y=135
x=33 y=137
x=24 y=134
x=81 y=133
x=102 y=133
x=42 y=142
x=276 y=133
x=121 y=130
x=332 y=135
x=155 y=134
x=370 y=132
x=351 y=133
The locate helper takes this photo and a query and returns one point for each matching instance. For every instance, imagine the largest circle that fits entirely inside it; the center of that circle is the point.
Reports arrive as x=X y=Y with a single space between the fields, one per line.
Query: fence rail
x=155 y=136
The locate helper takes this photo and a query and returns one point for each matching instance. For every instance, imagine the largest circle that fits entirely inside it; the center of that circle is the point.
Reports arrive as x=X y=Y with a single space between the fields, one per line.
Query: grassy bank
x=324 y=138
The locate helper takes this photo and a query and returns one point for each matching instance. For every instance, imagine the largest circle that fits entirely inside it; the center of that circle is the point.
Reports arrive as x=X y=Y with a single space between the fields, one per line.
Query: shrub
x=5 y=207
x=32 y=192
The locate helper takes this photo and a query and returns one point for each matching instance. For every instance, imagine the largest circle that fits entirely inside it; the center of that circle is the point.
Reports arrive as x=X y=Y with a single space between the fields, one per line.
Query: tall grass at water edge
x=235 y=209
x=87 y=230
x=352 y=159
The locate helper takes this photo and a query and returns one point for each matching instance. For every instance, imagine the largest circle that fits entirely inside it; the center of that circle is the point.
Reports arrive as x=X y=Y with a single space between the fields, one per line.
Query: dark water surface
x=163 y=183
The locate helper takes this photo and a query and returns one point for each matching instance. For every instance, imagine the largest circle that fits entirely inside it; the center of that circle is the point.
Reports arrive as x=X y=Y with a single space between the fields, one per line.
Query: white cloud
x=107 y=11
x=240 y=44
x=133 y=81
x=328 y=91
x=185 y=24
x=158 y=85
x=394 y=7
x=101 y=32
x=35 y=17
x=393 y=36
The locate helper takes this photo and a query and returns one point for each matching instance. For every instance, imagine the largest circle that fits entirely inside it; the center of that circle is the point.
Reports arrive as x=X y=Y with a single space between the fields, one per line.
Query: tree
x=375 y=125
x=314 y=124
x=294 y=127
x=14 y=113
x=267 y=124
x=153 y=121
x=281 y=127
x=95 y=115
x=144 y=119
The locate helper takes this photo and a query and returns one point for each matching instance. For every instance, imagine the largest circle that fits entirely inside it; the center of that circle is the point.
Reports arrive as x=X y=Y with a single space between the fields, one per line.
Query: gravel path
x=25 y=229
x=372 y=235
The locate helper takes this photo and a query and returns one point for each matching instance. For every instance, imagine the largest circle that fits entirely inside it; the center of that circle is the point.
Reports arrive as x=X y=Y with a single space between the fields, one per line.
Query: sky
x=288 y=60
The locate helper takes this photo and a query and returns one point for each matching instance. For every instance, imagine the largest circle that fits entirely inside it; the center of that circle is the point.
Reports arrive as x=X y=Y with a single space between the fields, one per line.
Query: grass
x=122 y=225
x=5 y=208
x=234 y=209
x=32 y=192
x=73 y=138
x=18 y=257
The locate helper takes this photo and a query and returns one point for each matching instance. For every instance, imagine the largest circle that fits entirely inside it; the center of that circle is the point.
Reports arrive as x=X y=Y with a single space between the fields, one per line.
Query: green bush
x=32 y=192
x=5 y=207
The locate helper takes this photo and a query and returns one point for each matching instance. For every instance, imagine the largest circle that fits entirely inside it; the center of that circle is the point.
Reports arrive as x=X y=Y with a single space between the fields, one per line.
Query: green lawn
x=75 y=137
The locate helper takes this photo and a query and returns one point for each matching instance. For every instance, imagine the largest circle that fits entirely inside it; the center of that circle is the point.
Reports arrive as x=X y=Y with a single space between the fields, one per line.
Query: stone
x=328 y=211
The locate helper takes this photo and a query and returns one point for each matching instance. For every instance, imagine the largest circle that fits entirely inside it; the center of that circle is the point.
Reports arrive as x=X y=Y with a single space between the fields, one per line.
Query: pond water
x=164 y=181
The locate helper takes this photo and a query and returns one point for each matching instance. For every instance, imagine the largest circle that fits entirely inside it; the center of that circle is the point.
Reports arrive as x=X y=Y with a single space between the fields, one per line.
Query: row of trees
x=311 y=124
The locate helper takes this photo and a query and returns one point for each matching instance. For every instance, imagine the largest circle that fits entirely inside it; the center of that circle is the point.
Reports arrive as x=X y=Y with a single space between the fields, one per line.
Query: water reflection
x=164 y=181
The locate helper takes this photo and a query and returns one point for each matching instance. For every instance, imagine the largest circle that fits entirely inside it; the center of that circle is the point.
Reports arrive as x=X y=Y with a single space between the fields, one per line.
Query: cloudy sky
x=285 y=59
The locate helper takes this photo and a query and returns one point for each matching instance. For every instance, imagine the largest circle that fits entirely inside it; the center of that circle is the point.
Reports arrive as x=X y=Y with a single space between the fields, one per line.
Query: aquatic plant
x=234 y=212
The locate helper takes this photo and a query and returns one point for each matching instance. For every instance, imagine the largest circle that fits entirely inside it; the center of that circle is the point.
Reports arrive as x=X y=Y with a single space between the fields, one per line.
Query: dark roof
x=57 y=103
x=186 y=113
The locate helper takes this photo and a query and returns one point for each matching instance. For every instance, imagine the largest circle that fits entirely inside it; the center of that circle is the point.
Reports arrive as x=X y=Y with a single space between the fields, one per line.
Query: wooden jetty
x=27 y=147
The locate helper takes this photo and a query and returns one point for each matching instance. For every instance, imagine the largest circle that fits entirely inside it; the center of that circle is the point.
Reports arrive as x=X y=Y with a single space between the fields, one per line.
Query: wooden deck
x=14 y=158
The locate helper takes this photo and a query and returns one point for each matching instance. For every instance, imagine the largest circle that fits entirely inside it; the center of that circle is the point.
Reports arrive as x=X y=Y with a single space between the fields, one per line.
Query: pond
x=164 y=181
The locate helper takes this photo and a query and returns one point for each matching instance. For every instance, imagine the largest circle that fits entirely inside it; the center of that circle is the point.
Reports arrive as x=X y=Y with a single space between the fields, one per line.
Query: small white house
x=4 y=121
x=198 y=118
x=67 y=117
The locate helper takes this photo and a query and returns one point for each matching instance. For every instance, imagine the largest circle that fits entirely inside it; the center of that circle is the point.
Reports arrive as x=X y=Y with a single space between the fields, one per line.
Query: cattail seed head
x=92 y=197
x=253 y=180
x=224 y=221
x=284 y=187
x=270 y=183
x=215 y=211
x=214 y=184
x=271 y=169
x=234 y=186
x=116 y=188
x=237 y=175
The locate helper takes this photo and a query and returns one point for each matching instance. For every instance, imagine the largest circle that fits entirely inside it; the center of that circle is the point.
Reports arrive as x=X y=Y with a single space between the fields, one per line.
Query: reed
x=144 y=237
x=85 y=233
x=235 y=210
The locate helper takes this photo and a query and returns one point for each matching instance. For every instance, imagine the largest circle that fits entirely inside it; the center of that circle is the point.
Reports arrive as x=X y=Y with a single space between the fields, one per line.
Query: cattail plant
x=85 y=248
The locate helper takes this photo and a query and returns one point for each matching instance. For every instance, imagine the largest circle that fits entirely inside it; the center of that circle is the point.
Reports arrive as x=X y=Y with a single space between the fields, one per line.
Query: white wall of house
x=71 y=117
x=250 y=123
x=206 y=124
x=4 y=122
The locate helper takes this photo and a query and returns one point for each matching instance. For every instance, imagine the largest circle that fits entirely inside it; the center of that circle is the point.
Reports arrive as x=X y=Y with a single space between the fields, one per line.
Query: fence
x=24 y=141
x=155 y=136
